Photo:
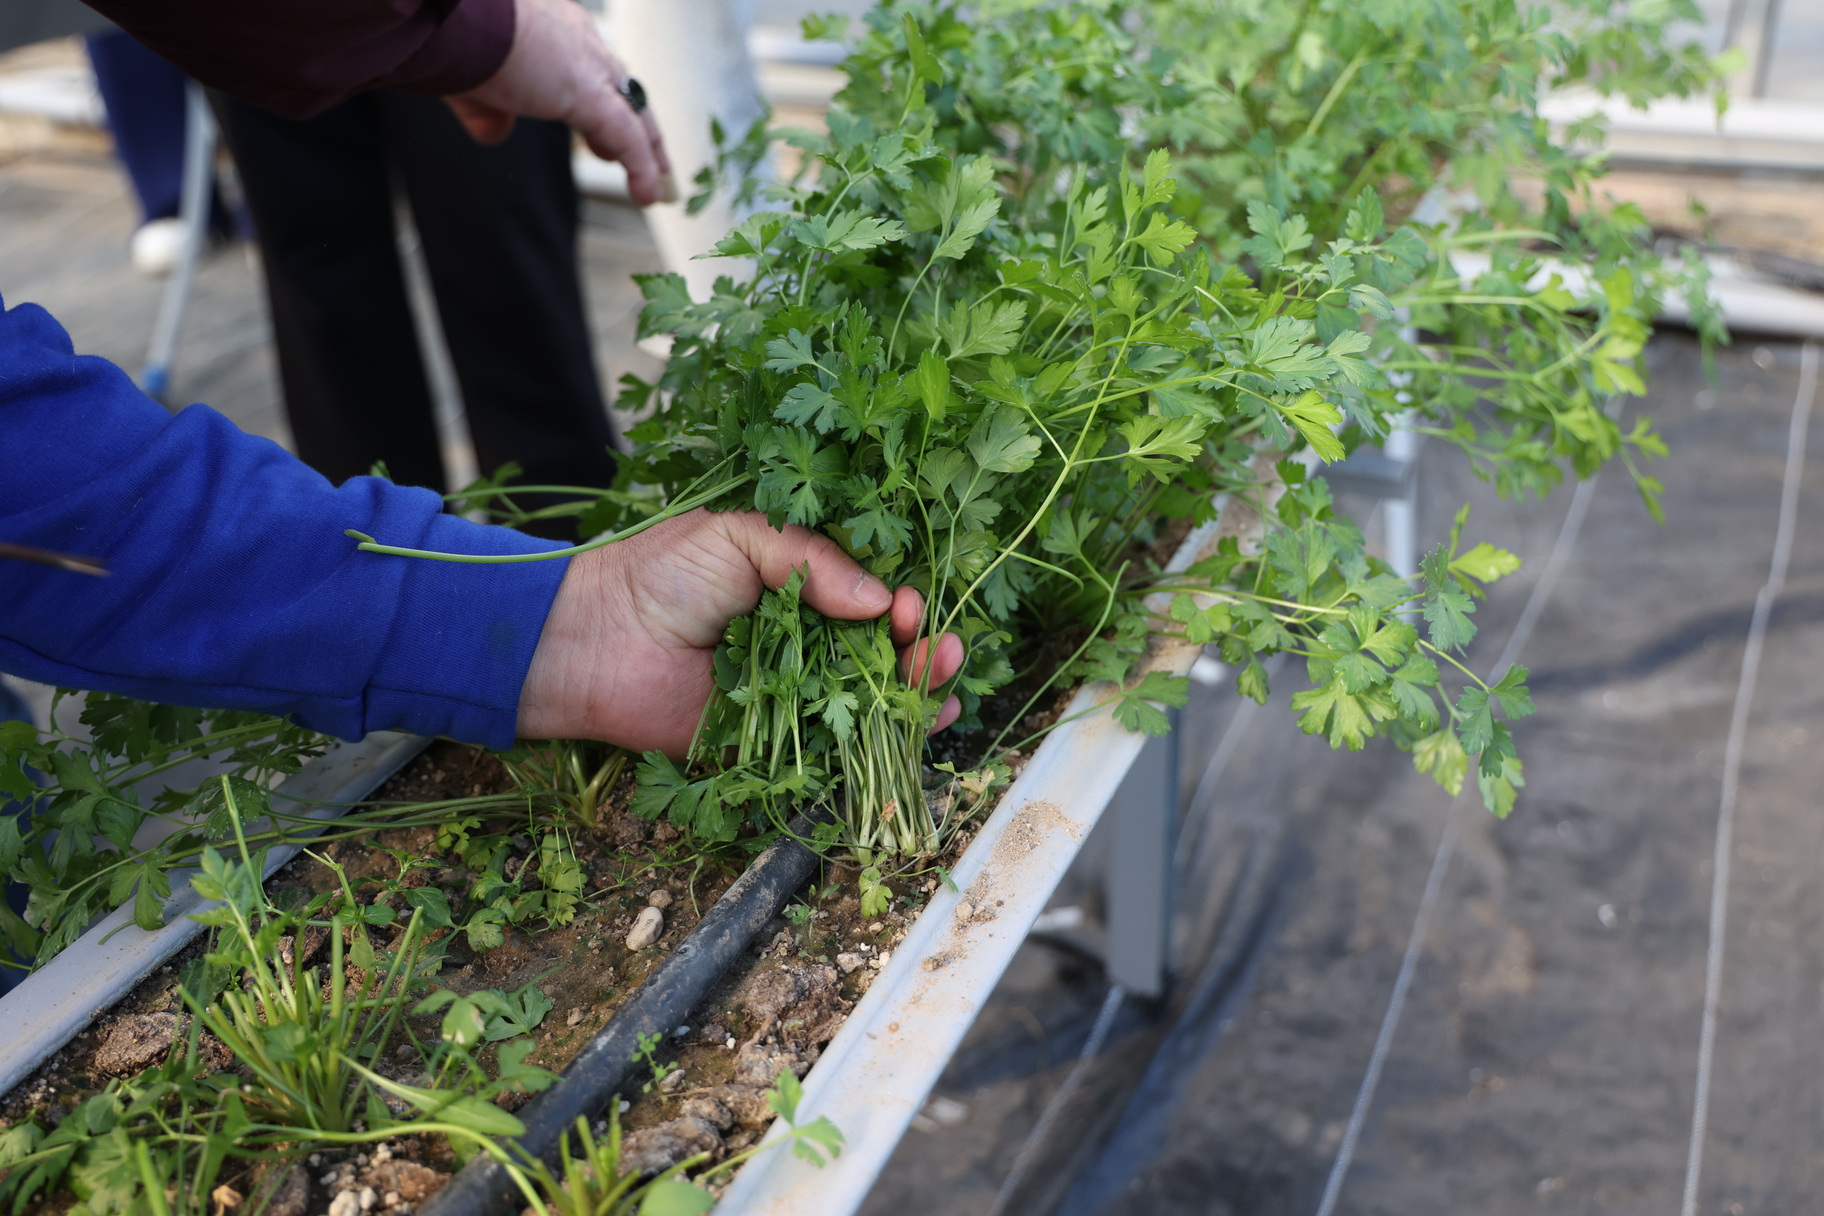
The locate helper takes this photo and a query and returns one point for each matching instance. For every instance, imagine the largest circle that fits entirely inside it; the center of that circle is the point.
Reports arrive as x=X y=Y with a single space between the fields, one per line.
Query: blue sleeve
x=232 y=583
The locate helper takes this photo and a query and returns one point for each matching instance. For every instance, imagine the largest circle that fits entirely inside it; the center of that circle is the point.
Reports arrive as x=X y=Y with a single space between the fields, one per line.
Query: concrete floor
x=1547 y=1056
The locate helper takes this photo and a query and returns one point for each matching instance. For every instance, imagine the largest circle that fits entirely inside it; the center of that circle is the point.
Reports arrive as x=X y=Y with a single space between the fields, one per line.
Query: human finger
x=908 y=613
x=947 y=661
x=485 y=124
x=655 y=141
x=951 y=711
x=834 y=584
x=613 y=131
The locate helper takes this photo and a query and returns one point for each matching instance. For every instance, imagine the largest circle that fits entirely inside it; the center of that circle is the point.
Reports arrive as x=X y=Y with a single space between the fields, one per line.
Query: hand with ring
x=560 y=68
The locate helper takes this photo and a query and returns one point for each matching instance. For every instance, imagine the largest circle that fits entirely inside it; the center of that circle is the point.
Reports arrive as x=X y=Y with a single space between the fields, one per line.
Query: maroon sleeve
x=298 y=57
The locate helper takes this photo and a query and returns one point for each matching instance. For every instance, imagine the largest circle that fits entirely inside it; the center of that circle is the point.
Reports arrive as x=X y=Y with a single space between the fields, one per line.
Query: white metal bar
x=1140 y=878
x=1754 y=133
x=1747 y=302
x=47 y=1009
x=193 y=209
x=878 y=1070
x=1732 y=767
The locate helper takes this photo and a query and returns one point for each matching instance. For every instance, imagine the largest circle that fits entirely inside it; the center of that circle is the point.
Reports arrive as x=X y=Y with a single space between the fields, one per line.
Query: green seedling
x=590 y=1180
x=647 y=1053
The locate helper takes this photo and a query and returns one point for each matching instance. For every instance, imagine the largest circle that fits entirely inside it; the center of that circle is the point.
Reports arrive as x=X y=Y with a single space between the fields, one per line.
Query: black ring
x=635 y=93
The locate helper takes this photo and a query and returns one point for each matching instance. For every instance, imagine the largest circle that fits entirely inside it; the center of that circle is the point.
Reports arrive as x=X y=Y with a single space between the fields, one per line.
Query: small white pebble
x=646 y=929
x=360 y=1158
x=383 y=1154
x=576 y=1015
x=731 y=1042
x=367 y=1198
x=346 y=1203
x=625 y=1106
x=660 y=898
x=316 y=1159
x=680 y=1032
x=880 y=960
x=848 y=962
x=392 y=1199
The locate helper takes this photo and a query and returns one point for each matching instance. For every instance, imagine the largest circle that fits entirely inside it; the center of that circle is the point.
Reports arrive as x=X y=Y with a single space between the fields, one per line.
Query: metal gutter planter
x=878 y=1070
x=51 y=1005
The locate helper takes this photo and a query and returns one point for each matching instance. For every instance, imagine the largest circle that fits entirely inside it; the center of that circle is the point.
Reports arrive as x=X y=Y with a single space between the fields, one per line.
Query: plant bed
x=562 y=983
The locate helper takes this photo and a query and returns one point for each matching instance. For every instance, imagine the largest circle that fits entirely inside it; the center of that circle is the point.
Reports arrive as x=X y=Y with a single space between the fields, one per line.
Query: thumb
x=485 y=124
x=834 y=583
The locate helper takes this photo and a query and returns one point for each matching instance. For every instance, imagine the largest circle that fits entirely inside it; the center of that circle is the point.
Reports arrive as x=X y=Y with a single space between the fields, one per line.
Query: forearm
x=232 y=584
x=298 y=57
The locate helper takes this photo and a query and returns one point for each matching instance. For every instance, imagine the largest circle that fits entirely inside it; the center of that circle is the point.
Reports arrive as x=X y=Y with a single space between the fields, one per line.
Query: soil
x=774 y=1010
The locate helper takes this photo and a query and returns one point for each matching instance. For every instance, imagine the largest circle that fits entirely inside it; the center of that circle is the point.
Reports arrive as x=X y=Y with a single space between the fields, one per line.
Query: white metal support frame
x=692 y=58
x=193 y=209
x=1140 y=880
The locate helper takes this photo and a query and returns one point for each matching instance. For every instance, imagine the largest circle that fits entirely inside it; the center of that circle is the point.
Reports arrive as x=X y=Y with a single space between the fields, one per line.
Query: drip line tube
x=595 y=1077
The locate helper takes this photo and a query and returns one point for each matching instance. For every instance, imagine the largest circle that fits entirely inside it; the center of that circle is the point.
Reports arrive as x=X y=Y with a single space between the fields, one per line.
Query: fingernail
x=870 y=590
x=668 y=188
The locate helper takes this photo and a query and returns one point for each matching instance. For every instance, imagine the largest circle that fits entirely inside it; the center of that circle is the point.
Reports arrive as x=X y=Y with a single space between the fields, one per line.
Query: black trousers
x=499 y=231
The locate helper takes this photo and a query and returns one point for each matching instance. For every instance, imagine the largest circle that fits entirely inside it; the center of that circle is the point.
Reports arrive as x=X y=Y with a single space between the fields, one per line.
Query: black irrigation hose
x=594 y=1078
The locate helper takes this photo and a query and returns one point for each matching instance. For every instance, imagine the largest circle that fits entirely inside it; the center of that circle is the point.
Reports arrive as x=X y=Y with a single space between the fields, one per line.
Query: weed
x=648 y=1054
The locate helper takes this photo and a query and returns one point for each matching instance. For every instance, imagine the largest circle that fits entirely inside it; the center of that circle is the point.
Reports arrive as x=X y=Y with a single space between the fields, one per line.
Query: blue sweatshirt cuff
x=462 y=638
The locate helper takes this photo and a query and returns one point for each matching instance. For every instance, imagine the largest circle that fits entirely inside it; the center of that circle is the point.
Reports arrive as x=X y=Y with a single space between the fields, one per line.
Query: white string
x=1732 y=765
x=1105 y=1020
x=1440 y=862
x=1390 y=1021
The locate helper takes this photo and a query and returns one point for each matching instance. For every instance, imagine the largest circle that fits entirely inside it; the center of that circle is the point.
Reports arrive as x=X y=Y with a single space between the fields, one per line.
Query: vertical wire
x=1390 y=1021
x=1440 y=862
x=1732 y=766
x=1092 y=1047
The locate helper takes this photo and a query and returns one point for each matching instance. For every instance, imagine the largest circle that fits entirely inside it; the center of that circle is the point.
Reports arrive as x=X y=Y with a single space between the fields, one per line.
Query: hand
x=626 y=653
x=560 y=68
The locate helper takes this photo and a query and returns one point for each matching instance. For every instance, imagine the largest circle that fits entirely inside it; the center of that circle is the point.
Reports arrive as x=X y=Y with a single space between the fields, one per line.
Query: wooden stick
x=63 y=561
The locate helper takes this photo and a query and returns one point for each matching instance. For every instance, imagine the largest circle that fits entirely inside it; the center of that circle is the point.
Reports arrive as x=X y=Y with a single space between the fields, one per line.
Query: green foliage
x=1059 y=272
x=590 y=1179
x=74 y=848
x=647 y=1053
x=876 y=896
x=303 y=1043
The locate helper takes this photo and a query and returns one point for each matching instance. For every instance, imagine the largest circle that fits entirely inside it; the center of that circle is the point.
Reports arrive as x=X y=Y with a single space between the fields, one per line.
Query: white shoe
x=157 y=246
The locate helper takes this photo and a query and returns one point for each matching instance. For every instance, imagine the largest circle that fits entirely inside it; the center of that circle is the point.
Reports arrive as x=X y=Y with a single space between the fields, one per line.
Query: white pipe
x=692 y=58
x=1748 y=303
